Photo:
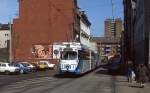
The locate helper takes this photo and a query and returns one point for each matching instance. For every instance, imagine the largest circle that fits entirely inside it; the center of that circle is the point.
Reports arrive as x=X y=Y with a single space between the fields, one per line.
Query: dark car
x=29 y=65
x=23 y=68
x=114 y=65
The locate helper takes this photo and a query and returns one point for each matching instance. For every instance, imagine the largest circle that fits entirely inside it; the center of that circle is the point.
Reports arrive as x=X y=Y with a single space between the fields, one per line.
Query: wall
x=4 y=37
x=41 y=22
x=84 y=34
x=85 y=28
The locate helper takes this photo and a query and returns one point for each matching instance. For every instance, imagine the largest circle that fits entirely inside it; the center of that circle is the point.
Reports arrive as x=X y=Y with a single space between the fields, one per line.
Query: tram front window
x=69 y=55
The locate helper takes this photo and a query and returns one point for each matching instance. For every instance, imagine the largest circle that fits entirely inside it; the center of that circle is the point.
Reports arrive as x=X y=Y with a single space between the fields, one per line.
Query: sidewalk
x=122 y=86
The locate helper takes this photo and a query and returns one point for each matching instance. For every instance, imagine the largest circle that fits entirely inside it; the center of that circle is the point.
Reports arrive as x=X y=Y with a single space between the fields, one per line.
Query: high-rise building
x=113 y=27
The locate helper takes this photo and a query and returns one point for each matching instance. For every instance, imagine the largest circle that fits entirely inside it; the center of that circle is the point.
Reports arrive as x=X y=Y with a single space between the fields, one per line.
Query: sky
x=97 y=11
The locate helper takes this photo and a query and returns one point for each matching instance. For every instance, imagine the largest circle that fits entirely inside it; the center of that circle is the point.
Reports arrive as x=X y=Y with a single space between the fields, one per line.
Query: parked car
x=42 y=66
x=23 y=68
x=48 y=65
x=35 y=64
x=8 y=68
x=29 y=65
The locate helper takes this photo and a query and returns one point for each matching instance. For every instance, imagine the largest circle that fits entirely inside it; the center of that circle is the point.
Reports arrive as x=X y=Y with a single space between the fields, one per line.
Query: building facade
x=85 y=32
x=113 y=27
x=42 y=22
x=4 y=42
x=110 y=43
x=129 y=22
x=4 y=35
x=137 y=28
x=107 y=46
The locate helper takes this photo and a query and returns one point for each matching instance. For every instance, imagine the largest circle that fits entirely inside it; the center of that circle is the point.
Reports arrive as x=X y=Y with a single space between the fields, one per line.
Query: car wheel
x=7 y=72
x=21 y=71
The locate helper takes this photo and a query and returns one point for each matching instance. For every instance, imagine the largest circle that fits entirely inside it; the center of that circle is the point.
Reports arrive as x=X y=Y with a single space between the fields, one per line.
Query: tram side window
x=92 y=56
x=83 y=55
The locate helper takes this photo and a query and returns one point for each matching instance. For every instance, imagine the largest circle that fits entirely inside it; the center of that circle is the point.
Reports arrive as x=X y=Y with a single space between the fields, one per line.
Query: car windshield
x=69 y=55
x=42 y=63
x=27 y=64
x=24 y=64
x=11 y=65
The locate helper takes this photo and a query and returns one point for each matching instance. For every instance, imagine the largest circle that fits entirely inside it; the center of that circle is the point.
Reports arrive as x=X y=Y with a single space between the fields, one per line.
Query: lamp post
x=10 y=43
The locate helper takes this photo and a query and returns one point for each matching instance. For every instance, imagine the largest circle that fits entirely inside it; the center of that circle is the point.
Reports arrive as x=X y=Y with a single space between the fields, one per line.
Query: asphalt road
x=98 y=81
x=8 y=79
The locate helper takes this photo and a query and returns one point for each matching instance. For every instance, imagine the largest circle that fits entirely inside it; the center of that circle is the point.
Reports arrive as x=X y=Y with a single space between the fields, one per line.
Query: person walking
x=130 y=72
x=142 y=74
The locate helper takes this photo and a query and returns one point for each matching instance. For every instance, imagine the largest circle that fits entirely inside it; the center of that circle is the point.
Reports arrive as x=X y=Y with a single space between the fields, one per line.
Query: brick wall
x=41 y=22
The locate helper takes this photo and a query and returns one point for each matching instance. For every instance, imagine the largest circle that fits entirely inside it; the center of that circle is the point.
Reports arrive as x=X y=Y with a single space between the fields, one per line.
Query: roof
x=83 y=17
x=4 y=26
x=106 y=40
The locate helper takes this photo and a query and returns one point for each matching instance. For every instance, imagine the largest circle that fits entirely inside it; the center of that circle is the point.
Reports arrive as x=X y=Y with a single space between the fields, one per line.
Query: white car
x=7 y=68
x=49 y=65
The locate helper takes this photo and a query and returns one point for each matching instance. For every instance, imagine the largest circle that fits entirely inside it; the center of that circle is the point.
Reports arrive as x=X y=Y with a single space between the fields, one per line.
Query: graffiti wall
x=42 y=51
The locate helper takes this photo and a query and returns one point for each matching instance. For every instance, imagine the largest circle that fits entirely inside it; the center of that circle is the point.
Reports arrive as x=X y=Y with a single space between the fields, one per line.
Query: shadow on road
x=67 y=75
x=102 y=71
x=106 y=71
x=72 y=75
x=135 y=86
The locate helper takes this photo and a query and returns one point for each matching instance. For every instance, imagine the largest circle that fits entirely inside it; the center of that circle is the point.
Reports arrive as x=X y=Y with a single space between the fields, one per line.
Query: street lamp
x=10 y=43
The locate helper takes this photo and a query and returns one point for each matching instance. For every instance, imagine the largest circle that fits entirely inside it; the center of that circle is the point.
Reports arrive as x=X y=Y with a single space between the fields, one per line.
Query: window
x=11 y=65
x=108 y=46
x=3 y=65
x=6 y=34
x=69 y=55
x=84 y=55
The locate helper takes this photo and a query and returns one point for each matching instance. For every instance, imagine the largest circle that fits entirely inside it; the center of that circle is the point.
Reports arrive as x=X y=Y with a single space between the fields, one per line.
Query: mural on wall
x=42 y=51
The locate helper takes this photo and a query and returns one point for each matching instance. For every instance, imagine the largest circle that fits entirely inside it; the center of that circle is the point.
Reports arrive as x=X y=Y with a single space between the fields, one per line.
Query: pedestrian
x=133 y=75
x=142 y=74
x=130 y=72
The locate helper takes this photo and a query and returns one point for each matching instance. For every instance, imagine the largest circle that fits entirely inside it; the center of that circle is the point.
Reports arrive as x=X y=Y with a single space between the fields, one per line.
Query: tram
x=77 y=59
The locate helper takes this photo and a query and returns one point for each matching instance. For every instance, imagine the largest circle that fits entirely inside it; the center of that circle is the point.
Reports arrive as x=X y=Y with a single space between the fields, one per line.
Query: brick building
x=107 y=45
x=110 y=43
x=43 y=22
